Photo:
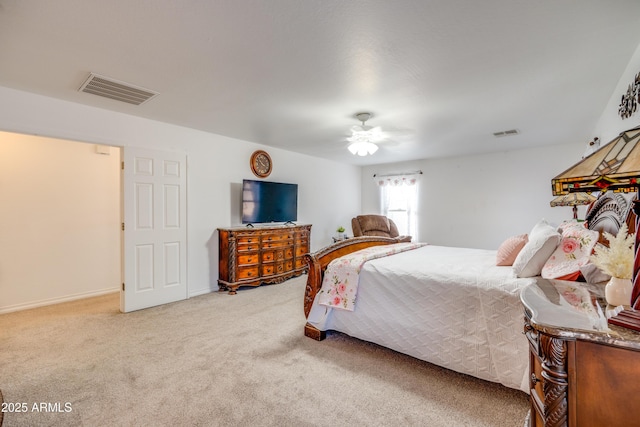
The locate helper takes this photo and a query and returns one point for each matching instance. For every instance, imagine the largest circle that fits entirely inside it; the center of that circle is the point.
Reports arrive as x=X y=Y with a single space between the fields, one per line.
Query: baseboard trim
x=199 y=292
x=52 y=301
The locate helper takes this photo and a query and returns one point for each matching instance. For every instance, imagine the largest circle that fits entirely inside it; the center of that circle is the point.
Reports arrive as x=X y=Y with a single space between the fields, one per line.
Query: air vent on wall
x=506 y=133
x=114 y=89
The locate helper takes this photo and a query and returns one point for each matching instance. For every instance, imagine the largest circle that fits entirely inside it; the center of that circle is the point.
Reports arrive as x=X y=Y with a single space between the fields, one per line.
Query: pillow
x=573 y=252
x=574 y=223
x=593 y=274
x=510 y=248
x=543 y=240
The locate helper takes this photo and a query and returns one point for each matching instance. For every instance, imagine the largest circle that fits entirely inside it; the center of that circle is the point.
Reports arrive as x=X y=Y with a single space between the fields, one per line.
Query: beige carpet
x=220 y=360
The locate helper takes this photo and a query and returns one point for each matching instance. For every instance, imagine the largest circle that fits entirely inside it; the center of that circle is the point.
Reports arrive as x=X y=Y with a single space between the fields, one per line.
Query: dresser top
x=574 y=310
x=259 y=227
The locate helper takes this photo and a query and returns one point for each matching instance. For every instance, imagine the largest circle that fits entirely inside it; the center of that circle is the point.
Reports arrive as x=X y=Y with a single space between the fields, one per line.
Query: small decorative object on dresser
x=583 y=372
x=269 y=254
x=616 y=260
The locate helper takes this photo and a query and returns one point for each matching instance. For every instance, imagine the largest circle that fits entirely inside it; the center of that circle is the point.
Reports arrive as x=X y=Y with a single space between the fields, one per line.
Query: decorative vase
x=618 y=291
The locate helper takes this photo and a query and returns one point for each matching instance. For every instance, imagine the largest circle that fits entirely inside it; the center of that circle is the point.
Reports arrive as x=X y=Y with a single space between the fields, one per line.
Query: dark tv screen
x=265 y=201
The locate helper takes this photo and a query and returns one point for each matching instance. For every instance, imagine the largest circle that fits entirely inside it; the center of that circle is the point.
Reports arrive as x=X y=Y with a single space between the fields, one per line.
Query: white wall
x=478 y=201
x=610 y=123
x=60 y=217
x=328 y=191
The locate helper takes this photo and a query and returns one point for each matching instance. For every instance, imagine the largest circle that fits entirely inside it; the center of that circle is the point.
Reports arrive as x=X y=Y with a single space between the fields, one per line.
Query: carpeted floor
x=220 y=360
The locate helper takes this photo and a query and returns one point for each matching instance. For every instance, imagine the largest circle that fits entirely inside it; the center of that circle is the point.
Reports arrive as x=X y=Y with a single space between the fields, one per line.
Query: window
x=399 y=201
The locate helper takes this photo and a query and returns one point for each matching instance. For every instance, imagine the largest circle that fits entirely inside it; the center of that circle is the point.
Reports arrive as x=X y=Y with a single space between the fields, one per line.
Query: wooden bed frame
x=318 y=262
x=607 y=213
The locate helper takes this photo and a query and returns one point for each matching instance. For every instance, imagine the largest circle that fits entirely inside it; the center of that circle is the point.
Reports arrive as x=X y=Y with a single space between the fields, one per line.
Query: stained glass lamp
x=613 y=167
x=573 y=199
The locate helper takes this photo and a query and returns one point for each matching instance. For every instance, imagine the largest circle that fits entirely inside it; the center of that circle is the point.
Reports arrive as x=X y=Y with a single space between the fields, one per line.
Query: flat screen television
x=265 y=201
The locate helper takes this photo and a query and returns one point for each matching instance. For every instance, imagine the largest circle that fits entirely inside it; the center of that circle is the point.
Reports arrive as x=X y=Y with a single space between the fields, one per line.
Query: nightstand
x=582 y=371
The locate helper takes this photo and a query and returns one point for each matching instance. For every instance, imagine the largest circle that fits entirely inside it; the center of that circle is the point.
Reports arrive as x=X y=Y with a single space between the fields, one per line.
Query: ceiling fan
x=363 y=137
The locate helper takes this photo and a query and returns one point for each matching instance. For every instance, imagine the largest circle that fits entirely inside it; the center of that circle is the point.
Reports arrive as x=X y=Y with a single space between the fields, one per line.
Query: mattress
x=452 y=307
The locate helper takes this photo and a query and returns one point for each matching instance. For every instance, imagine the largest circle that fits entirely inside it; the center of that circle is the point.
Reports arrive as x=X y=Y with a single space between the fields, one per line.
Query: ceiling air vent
x=506 y=133
x=114 y=89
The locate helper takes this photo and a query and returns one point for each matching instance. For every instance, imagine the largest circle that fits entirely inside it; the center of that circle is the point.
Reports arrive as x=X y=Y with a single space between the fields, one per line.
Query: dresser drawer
x=248 y=272
x=248 y=258
x=278 y=237
x=276 y=244
x=248 y=247
x=301 y=250
x=288 y=253
x=268 y=256
x=247 y=238
x=269 y=269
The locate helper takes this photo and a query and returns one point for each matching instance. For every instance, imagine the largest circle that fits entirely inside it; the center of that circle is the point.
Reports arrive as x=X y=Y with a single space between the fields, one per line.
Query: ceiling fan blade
x=376 y=134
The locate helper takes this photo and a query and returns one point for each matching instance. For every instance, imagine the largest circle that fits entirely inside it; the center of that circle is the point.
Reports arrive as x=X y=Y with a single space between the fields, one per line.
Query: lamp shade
x=615 y=166
x=362 y=148
x=573 y=199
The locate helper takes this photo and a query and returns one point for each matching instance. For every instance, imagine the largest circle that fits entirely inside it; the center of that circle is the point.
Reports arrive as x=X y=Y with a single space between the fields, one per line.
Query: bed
x=453 y=307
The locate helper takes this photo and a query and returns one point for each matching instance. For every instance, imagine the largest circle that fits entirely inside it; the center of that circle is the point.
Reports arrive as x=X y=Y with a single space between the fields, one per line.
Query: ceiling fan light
x=363 y=137
x=362 y=148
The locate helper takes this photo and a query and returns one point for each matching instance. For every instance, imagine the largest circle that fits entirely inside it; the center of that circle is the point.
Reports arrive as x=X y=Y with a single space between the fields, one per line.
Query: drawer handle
x=249 y=274
x=268 y=257
x=249 y=259
x=534 y=379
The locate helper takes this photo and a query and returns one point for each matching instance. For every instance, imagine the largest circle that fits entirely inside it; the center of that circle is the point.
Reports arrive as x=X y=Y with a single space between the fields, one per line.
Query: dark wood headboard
x=609 y=212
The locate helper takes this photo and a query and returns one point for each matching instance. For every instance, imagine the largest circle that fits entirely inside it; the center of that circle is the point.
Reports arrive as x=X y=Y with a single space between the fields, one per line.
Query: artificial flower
x=617 y=259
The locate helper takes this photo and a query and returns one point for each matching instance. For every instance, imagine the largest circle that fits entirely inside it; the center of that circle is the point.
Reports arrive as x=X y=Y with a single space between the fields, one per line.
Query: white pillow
x=543 y=241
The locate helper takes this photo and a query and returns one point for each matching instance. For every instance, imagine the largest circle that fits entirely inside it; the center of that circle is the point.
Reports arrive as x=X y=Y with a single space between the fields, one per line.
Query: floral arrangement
x=617 y=259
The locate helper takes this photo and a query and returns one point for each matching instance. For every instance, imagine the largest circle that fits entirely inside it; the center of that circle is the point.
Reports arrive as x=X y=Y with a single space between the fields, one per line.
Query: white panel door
x=155 y=229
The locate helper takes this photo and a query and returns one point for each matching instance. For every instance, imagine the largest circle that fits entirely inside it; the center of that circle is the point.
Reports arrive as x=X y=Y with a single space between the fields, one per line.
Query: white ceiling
x=441 y=76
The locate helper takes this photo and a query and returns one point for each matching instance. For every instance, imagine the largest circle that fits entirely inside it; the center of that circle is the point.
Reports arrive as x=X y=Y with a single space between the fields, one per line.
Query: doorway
x=64 y=209
x=60 y=237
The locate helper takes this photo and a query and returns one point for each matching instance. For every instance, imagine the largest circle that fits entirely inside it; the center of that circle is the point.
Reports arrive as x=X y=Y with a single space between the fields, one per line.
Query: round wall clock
x=261 y=164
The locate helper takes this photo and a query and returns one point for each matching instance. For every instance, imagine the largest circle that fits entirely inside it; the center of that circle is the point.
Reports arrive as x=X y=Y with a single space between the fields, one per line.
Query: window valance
x=395 y=179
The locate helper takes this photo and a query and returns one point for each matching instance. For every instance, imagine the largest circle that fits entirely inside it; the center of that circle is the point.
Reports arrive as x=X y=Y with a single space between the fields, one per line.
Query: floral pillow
x=565 y=225
x=571 y=254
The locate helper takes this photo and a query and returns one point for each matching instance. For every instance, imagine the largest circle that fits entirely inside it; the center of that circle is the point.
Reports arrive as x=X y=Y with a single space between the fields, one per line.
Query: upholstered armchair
x=376 y=225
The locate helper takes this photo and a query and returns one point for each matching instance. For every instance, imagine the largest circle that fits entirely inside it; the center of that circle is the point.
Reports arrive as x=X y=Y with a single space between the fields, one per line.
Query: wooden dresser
x=269 y=254
x=580 y=374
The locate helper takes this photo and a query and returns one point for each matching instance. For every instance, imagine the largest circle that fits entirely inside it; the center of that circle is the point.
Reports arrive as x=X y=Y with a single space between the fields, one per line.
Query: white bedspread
x=448 y=306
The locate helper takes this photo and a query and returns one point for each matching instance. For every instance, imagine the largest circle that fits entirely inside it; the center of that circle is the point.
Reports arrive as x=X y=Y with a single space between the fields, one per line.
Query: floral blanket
x=340 y=283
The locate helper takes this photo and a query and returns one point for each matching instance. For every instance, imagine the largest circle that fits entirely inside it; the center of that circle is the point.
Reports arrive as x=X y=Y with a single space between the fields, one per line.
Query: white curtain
x=399 y=200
